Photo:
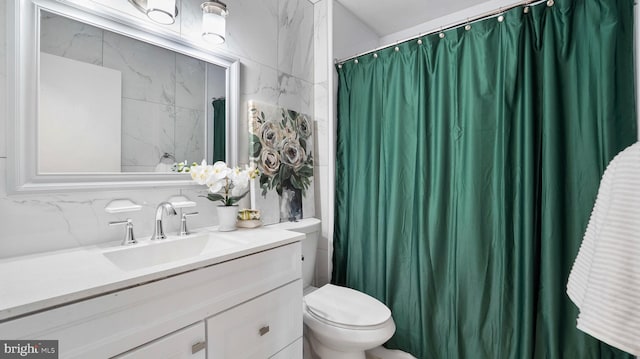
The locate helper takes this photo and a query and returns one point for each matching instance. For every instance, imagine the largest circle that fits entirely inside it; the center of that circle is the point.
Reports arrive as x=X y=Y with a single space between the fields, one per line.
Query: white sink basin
x=152 y=253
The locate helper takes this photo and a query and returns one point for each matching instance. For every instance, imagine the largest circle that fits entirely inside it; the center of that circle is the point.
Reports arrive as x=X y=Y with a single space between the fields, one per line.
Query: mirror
x=102 y=101
x=112 y=103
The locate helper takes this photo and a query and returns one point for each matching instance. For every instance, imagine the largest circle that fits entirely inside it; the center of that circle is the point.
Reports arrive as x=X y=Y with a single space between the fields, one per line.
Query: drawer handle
x=198 y=347
x=264 y=330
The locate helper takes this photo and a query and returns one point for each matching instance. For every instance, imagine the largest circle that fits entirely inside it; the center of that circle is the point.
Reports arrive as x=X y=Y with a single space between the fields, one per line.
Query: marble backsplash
x=260 y=36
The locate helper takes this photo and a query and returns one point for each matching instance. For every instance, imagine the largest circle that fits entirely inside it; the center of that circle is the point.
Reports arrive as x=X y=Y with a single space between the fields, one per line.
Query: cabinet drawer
x=187 y=343
x=258 y=328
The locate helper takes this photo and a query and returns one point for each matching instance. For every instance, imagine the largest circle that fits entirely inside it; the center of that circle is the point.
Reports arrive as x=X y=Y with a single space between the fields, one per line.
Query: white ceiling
x=390 y=16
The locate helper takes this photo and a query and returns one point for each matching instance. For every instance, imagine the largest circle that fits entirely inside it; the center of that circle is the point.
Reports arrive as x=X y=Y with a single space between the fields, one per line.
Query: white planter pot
x=227 y=218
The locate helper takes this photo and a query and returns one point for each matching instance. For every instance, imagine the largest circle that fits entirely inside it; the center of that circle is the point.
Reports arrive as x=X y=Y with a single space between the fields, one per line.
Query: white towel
x=605 y=279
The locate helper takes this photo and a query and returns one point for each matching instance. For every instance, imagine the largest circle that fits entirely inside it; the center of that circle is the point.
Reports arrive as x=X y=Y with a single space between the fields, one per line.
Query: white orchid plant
x=227 y=185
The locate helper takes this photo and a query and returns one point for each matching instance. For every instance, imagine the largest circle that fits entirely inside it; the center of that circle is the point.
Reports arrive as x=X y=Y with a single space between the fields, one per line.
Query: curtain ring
x=375 y=55
x=355 y=61
x=500 y=15
x=550 y=3
x=468 y=25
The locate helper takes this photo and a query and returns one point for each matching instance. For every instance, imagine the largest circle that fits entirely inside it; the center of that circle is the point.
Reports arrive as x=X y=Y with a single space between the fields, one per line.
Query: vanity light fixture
x=214 y=15
x=159 y=11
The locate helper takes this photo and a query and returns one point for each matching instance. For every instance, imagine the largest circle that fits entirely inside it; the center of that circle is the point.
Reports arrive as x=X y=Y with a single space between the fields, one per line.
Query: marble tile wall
x=189 y=133
x=71 y=39
x=295 y=33
x=43 y=222
x=278 y=72
x=280 y=75
x=324 y=158
x=216 y=77
x=148 y=71
x=190 y=82
x=148 y=130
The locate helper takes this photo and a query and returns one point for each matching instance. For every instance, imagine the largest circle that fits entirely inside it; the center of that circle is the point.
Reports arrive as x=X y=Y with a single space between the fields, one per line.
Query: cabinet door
x=187 y=343
x=258 y=328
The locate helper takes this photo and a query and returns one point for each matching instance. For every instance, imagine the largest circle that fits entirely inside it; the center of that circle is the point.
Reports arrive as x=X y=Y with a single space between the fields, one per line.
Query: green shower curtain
x=467 y=167
x=219 y=129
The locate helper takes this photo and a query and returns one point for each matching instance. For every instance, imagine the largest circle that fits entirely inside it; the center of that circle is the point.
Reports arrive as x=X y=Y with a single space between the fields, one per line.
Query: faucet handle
x=183 y=223
x=129 y=238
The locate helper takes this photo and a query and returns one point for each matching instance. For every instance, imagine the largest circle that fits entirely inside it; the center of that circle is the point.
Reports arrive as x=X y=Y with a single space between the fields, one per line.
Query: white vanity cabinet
x=249 y=307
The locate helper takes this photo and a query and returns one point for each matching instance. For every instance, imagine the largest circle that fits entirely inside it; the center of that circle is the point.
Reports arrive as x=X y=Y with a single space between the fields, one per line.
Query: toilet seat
x=342 y=323
x=346 y=308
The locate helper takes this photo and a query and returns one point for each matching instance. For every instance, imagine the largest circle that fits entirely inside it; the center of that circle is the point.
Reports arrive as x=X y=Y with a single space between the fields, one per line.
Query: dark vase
x=290 y=204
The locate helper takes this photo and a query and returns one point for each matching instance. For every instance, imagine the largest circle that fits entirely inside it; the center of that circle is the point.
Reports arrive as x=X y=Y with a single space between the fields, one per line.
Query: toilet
x=339 y=322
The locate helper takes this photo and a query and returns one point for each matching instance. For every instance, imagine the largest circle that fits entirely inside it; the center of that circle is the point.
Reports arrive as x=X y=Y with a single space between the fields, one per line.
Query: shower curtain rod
x=467 y=21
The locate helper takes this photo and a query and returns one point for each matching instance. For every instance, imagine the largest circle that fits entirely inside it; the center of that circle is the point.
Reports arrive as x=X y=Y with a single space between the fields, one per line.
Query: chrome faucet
x=158 y=231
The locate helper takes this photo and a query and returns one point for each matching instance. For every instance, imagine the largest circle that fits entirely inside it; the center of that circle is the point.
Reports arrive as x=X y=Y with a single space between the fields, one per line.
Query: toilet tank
x=311 y=228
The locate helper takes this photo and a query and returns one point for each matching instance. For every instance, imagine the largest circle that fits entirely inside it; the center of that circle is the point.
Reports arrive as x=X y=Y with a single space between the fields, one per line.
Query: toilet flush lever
x=264 y=330
x=129 y=238
x=183 y=223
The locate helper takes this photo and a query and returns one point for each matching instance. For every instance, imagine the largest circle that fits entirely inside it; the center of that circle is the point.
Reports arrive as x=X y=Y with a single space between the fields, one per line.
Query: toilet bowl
x=340 y=323
x=343 y=322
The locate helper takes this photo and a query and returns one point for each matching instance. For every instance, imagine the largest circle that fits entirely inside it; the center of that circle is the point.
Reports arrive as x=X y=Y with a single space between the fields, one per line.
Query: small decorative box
x=249 y=218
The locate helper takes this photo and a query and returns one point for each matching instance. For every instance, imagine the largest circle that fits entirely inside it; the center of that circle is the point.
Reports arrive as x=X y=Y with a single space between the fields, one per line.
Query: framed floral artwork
x=281 y=148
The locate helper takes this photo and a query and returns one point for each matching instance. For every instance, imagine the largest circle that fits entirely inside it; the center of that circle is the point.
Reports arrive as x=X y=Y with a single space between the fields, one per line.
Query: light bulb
x=214 y=15
x=161 y=11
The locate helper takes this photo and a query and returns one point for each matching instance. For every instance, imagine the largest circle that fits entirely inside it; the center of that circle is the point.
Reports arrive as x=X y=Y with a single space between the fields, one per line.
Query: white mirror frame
x=23 y=18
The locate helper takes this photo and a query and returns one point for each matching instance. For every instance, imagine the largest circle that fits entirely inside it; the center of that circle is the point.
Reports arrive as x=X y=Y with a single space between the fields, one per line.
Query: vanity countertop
x=40 y=281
